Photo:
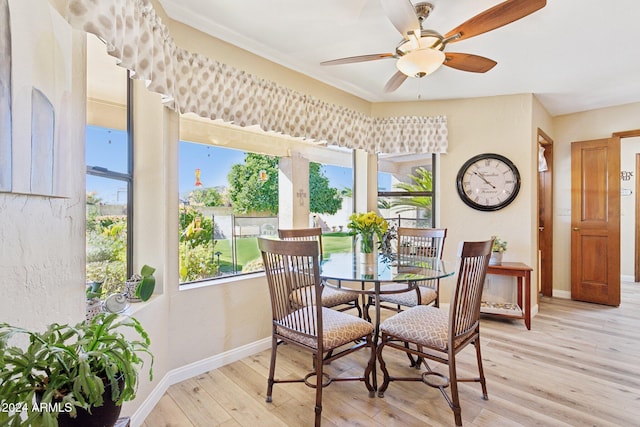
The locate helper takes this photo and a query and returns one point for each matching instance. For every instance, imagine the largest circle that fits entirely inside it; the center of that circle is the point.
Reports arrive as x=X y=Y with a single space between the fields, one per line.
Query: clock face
x=488 y=182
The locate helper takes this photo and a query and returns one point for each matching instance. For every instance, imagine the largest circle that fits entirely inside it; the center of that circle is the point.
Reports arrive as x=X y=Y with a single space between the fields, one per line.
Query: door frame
x=632 y=134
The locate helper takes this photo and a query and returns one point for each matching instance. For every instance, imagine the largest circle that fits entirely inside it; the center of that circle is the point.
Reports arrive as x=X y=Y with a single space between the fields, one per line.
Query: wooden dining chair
x=439 y=335
x=291 y=268
x=331 y=297
x=415 y=245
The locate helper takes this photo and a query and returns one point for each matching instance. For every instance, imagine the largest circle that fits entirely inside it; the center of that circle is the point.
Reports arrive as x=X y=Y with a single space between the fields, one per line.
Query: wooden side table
x=521 y=310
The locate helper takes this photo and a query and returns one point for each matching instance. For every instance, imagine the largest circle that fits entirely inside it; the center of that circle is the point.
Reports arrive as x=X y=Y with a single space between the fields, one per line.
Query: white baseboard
x=562 y=294
x=191 y=370
x=625 y=278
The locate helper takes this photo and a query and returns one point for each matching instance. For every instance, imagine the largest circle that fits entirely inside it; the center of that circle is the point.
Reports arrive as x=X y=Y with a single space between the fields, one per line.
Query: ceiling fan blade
x=402 y=15
x=495 y=17
x=360 y=58
x=468 y=62
x=395 y=81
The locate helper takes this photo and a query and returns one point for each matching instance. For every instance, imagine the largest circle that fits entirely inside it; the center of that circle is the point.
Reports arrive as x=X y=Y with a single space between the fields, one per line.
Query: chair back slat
x=293 y=276
x=419 y=243
x=304 y=234
x=464 y=311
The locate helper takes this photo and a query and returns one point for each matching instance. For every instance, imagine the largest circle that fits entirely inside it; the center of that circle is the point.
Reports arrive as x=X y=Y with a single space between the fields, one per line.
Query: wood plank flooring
x=579 y=365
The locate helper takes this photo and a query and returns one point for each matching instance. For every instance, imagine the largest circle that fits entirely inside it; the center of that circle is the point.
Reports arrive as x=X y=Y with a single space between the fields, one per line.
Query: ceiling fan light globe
x=420 y=62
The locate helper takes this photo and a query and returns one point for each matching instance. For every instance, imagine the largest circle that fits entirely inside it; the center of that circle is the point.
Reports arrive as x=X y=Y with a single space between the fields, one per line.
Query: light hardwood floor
x=579 y=365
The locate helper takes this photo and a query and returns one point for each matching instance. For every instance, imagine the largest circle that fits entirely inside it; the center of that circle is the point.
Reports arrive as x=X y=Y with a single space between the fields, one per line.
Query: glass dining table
x=351 y=272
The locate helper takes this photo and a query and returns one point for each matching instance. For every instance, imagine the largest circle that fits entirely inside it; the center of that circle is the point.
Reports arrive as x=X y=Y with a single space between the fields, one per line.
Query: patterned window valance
x=190 y=82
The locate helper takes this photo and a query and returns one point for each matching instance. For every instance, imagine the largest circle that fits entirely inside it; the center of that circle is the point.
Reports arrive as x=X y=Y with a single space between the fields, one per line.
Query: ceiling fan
x=421 y=51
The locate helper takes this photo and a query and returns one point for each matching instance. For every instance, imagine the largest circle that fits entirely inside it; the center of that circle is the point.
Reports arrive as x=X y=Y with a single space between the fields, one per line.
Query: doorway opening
x=629 y=205
x=545 y=214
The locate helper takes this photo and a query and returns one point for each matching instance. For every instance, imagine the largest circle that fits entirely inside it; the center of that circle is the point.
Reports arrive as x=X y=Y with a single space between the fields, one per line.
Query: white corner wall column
x=149 y=181
x=365 y=172
x=293 y=191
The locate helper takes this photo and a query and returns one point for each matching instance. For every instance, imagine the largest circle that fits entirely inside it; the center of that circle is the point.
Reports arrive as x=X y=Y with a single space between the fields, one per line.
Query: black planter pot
x=100 y=416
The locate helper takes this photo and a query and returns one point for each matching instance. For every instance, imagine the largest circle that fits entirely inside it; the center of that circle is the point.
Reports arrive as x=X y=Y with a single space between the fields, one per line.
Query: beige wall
x=587 y=125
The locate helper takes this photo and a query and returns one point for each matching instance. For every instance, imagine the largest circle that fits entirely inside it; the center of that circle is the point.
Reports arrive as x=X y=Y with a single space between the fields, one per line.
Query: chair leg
x=366 y=309
x=453 y=383
x=272 y=368
x=383 y=366
x=356 y=305
x=368 y=372
x=413 y=363
x=483 y=381
x=319 y=371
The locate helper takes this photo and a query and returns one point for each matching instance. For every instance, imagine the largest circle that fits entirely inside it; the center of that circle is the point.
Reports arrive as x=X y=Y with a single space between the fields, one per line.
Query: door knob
x=576 y=229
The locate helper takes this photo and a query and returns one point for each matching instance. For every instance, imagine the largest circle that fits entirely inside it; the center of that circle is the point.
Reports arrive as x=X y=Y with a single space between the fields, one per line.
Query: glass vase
x=367 y=248
x=366 y=243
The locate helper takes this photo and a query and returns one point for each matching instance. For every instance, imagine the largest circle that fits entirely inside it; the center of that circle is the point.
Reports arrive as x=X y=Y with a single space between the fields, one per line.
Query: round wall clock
x=488 y=182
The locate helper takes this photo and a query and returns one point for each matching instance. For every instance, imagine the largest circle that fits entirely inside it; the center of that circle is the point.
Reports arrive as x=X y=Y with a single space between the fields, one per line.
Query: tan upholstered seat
x=407 y=299
x=337 y=329
x=431 y=333
x=425 y=326
x=293 y=276
x=414 y=245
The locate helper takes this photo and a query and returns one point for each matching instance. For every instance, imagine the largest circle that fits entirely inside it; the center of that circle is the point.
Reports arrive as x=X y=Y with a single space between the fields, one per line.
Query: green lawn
x=336 y=243
x=247 y=249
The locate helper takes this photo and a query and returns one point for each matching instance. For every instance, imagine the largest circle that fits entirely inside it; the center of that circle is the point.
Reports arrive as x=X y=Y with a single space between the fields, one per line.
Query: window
x=405 y=191
x=107 y=208
x=332 y=204
x=109 y=171
x=215 y=239
x=228 y=197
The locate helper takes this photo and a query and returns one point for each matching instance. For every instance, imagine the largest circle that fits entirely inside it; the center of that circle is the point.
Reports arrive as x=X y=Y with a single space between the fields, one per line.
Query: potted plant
x=94 y=303
x=499 y=247
x=140 y=286
x=70 y=375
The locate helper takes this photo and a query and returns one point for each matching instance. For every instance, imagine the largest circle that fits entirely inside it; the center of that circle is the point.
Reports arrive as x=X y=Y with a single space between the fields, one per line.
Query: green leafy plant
x=146 y=282
x=67 y=367
x=499 y=245
x=94 y=290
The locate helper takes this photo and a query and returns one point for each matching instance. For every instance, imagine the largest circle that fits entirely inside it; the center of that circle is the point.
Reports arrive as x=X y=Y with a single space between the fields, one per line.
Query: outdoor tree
x=324 y=198
x=253 y=187
x=206 y=197
x=421 y=180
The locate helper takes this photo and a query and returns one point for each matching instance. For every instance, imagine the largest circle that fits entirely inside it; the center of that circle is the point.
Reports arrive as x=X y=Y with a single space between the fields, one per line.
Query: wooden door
x=595 y=221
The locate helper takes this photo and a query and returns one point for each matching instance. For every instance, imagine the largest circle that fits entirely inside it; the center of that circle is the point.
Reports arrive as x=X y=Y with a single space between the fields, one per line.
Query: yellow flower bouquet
x=365 y=226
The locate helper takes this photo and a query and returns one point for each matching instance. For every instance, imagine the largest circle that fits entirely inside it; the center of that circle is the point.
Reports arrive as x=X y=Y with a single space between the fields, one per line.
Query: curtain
x=190 y=82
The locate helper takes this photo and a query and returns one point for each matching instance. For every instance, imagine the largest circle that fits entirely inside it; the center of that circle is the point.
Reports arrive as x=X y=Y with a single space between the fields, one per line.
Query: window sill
x=135 y=307
x=221 y=281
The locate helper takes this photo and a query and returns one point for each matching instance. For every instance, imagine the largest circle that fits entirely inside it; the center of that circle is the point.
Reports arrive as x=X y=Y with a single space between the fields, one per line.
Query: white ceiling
x=574 y=55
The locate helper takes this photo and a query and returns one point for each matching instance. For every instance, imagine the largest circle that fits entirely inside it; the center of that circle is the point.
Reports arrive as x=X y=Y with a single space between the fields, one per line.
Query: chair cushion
x=423 y=325
x=408 y=298
x=339 y=328
x=330 y=296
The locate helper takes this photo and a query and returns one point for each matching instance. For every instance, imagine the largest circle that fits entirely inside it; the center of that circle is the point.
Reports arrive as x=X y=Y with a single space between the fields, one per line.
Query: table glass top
x=350 y=266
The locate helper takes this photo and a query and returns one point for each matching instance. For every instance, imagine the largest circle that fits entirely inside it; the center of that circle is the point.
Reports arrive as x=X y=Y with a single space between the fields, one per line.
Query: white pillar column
x=293 y=189
x=365 y=193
